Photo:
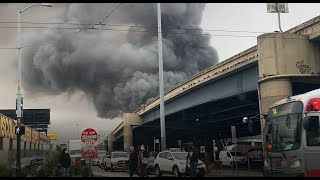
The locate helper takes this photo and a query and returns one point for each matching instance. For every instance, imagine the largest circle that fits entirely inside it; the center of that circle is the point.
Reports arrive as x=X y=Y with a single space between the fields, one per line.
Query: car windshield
x=282 y=132
x=75 y=152
x=120 y=155
x=234 y=153
x=180 y=155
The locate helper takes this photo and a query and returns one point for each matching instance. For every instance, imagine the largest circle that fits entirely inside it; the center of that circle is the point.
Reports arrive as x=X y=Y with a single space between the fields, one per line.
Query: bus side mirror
x=306 y=122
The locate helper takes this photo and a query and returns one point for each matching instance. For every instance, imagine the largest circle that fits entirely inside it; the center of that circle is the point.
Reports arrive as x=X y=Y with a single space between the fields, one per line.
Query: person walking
x=143 y=161
x=133 y=162
x=194 y=157
x=65 y=162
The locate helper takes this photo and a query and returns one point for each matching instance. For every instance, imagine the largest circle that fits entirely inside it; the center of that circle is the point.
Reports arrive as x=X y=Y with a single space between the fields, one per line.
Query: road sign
x=52 y=136
x=89 y=145
x=19 y=130
x=277 y=7
x=233 y=134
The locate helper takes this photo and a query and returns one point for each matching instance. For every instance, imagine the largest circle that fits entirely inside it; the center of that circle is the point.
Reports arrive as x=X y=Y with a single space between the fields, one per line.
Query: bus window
x=313 y=134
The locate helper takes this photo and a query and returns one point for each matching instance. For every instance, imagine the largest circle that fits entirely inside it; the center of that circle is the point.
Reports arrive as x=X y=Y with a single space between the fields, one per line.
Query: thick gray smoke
x=117 y=70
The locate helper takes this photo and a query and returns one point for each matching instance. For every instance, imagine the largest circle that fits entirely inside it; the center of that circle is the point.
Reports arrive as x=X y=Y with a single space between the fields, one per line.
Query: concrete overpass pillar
x=129 y=119
x=110 y=142
x=273 y=91
x=282 y=54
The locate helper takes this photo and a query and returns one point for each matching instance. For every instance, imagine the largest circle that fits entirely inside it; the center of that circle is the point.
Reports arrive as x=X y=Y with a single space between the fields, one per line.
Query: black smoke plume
x=117 y=70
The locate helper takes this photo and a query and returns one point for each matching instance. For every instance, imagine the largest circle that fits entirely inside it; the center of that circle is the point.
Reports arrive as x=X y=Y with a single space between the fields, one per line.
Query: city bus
x=292 y=136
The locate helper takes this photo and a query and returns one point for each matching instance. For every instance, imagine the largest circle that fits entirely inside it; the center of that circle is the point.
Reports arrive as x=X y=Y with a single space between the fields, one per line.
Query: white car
x=115 y=160
x=175 y=162
x=228 y=158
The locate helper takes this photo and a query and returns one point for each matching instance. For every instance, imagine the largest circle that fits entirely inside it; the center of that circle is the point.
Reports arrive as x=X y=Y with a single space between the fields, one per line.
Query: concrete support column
x=280 y=54
x=110 y=142
x=272 y=91
x=129 y=121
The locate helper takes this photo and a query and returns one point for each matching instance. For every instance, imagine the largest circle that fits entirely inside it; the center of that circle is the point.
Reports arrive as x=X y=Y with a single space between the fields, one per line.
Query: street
x=98 y=172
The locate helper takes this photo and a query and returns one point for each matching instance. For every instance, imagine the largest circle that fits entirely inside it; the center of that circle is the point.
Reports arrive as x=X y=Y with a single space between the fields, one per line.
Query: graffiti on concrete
x=303 y=68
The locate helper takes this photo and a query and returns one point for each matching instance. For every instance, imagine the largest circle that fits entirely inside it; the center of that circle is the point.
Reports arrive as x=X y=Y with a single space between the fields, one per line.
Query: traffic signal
x=19 y=130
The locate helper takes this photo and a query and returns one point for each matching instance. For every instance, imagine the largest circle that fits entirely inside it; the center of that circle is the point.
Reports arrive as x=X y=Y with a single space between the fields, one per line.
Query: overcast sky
x=68 y=110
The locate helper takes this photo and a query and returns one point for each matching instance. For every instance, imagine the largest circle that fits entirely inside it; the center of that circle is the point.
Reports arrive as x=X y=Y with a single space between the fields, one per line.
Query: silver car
x=28 y=162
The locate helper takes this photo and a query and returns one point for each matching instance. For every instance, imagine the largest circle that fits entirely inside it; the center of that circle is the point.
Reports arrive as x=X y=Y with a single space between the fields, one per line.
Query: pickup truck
x=115 y=160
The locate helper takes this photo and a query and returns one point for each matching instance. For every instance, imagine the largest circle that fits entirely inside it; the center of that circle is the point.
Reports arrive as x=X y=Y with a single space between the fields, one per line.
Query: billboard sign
x=52 y=136
x=89 y=144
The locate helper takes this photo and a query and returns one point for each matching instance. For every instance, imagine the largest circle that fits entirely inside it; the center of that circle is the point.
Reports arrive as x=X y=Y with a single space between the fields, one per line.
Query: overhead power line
x=134 y=26
x=144 y=31
x=76 y=32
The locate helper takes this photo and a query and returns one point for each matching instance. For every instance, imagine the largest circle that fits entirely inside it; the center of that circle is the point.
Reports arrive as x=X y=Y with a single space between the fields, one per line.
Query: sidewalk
x=239 y=173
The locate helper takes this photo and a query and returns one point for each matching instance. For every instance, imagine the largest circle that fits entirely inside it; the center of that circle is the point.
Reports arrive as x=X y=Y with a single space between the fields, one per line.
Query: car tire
x=158 y=171
x=176 y=171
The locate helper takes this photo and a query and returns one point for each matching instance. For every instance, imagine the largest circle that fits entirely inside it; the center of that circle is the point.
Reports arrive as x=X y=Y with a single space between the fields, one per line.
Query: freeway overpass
x=204 y=106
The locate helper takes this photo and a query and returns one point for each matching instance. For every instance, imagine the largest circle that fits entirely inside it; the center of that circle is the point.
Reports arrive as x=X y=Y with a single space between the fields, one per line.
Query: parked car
x=255 y=157
x=115 y=160
x=29 y=162
x=96 y=161
x=175 y=162
x=229 y=158
x=150 y=167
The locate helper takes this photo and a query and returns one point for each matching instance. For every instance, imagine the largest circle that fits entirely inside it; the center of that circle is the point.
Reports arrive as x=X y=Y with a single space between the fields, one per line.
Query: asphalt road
x=98 y=172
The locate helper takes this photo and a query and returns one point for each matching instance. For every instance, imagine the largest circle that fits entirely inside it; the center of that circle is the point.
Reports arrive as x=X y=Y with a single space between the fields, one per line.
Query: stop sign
x=89 y=134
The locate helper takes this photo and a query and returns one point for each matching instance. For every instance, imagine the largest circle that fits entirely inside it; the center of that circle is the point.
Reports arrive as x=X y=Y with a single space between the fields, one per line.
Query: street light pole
x=277 y=5
x=19 y=110
x=162 y=117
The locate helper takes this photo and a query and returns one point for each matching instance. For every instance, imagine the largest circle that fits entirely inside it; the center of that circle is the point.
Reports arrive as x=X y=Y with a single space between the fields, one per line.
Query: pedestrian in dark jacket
x=194 y=162
x=133 y=162
x=65 y=162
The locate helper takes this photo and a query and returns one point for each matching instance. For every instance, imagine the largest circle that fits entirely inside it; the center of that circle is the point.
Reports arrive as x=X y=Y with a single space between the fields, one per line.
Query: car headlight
x=114 y=162
x=295 y=164
x=183 y=163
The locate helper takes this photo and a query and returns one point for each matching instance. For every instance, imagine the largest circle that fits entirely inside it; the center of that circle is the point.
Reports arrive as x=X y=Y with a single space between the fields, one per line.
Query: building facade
x=32 y=142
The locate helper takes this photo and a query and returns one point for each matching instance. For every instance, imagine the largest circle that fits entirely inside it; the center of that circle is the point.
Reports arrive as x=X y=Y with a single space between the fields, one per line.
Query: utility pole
x=278 y=8
x=277 y=5
x=154 y=144
x=162 y=116
x=19 y=100
x=19 y=97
